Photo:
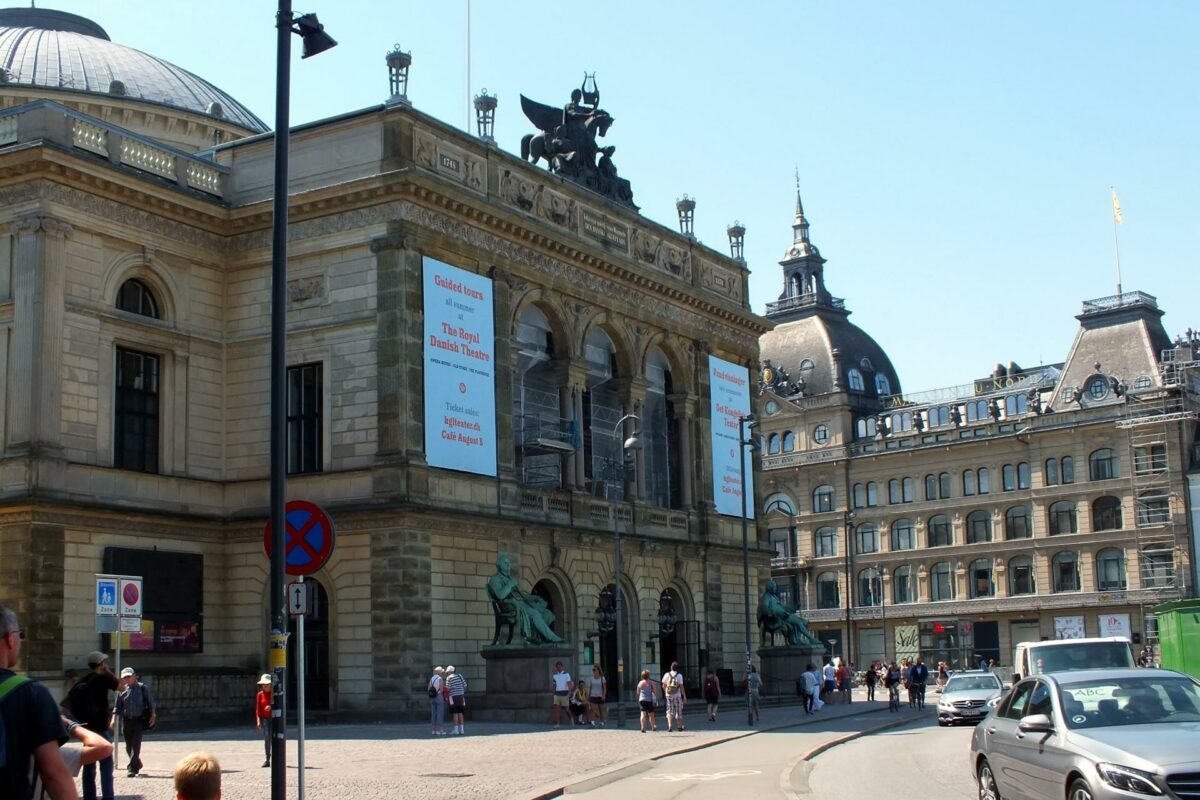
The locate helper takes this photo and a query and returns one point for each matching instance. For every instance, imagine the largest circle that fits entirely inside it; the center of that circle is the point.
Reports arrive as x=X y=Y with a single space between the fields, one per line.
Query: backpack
x=671 y=682
x=81 y=702
x=431 y=690
x=10 y=683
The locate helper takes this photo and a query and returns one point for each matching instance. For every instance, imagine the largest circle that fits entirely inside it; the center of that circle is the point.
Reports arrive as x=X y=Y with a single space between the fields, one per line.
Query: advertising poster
x=1068 y=628
x=907 y=641
x=460 y=384
x=1115 y=625
x=729 y=396
x=142 y=639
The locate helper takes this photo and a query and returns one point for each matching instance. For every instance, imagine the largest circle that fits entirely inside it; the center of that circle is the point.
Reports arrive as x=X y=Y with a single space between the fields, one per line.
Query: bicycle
x=920 y=687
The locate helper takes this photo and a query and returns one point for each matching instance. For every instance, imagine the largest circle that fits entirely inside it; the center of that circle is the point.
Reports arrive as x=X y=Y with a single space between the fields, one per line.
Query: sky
x=954 y=158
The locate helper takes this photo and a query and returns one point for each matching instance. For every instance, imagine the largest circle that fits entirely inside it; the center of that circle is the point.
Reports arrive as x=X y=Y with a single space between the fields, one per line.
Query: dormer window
x=882 y=387
x=866 y=364
x=855 y=379
x=136 y=298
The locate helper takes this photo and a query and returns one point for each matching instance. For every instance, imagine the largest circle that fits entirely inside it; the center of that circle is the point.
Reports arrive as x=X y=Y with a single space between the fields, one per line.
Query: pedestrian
x=676 y=696
x=198 y=777
x=809 y=684
x=918 y=674
x=135 y=708
x=844 y=678
x=33 y=728
x=88 y=702
x=754 y=685
x=437 y=701
x=991 y=665
x=830 y=680
x=579 y=704
x=712 y=694
x=892 y=682
x=560 y=683
x=597 y=694
x=92 y=747
x=870 y=678
x=262 y=714
x=647 y=697
x=943 y=674
x=456 y=690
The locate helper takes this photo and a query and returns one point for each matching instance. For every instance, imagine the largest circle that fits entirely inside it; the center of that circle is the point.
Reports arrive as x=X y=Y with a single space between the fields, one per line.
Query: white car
x=966 y=696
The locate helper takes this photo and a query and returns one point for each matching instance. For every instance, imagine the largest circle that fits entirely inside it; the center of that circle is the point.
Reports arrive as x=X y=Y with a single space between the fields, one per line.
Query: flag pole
x=1117 y=220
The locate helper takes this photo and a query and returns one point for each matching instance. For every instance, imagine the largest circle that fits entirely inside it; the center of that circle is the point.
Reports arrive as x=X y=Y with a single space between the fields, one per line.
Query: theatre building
x=1023 y=505
x=468 y=334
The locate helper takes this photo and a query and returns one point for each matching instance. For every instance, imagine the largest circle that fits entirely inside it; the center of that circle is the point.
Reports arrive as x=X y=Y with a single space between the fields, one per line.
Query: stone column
x=684 y=411
x=566 y=409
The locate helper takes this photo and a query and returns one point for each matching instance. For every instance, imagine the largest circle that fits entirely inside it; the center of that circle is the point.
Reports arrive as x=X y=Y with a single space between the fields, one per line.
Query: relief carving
x=675 y=260
x=425 y=150
x=474 y=173
x=304 y=292
x=517 y=191
x=555 y=207
x=645 y=246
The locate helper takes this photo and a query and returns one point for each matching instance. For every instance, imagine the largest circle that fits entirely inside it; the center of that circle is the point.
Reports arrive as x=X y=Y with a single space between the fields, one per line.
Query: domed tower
x=814 y=348
x=52 y=55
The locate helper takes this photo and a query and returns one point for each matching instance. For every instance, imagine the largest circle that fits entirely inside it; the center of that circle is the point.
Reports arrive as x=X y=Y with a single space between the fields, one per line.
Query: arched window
x=904 y=585
x=983 y=480
x=882 y=387
x=979 y=527
x=823 y=499
x=930 y=487
x=968 y=481
x=945 y=488
x=979 y=579
x=779 y=502
x=136 y=298
x=789 y=442
x=1064 y=570
x=977 y=410
x=1018 y=523
x=601 y=404
x=860 y=495
x=773 y=444
x=1068 y=469
x=1023 y=481
x=938 y=416
x=865 y=428
x=893 y=491
x=1015 y=404
x=1106 y=514
x=827 y=590
x=939 y=531
x=1050 y=474
x=941 y=582
x=536 y=411
x=872 y=494
x=1008 y=478
x=1153 y=508
x=660 y=435
x=907 y=489
x=869 y=593
x=904 y=535
x=1158 y=566
x=1061 y=517
x=825 y=542
x=855 y=379
x=1020 y=576
x=1110 y=570
x=1103 y=464
x=806 y=365
x=866 y=538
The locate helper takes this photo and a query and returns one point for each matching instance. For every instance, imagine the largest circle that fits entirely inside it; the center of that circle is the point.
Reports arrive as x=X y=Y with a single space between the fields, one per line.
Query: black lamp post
x=315 y=41
x=632 y=444
x=746 y=423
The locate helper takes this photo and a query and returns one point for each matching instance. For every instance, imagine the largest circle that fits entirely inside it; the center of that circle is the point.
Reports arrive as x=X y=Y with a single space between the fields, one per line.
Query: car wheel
x=942 y=723
x=987 y=783
x=1079 y=790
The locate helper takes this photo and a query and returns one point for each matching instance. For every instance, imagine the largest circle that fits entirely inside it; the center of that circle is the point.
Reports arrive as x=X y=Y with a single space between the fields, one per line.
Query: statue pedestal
x=518 y=683
x=782 y=666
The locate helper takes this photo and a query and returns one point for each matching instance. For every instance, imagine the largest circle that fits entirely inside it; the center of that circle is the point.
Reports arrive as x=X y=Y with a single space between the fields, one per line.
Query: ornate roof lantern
x=485 y=115
x=737 y=236
x=686 y=206
x=398 y=63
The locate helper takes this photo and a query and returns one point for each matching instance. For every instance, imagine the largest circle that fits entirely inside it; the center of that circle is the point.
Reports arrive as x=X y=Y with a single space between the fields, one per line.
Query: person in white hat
x=262 y=713
x=135 y=707
x=456 y=688
x=437 y=701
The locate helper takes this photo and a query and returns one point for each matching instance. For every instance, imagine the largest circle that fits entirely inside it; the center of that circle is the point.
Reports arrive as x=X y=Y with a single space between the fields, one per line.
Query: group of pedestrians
x=584 y=699
x=447 y=689
x=908 y=674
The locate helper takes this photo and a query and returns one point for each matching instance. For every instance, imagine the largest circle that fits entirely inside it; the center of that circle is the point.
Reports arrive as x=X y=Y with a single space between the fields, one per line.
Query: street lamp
x=630 y=445
x=881 y=572
x=745 y=423
x=315 y=41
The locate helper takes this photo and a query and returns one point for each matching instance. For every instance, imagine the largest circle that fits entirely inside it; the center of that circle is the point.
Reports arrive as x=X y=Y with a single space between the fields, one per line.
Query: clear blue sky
x=954 y=157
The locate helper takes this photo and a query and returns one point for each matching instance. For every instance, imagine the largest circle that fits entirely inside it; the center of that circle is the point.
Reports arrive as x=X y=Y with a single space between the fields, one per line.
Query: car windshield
x=1139 y=700
x=1081 y=655
x=972 y=684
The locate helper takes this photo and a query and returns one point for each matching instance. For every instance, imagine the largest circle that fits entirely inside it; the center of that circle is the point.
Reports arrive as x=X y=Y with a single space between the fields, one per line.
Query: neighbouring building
x=1024 y=505
x=466 y=333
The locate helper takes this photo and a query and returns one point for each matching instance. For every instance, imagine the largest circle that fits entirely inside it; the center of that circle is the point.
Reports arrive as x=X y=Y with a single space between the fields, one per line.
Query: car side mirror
x=995 y=701
x=1035 y=723
x=1016 y=678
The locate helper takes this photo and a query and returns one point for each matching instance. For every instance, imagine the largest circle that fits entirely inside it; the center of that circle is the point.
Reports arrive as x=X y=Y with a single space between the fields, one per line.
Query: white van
x=1060 y=655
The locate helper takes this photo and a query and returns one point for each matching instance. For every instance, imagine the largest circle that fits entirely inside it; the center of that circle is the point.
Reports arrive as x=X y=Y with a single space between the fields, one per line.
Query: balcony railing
x=802 y=301
x=1118 y=300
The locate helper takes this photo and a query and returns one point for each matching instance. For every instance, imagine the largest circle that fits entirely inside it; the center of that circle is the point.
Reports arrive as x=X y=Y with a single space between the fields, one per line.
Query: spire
x=801 y=246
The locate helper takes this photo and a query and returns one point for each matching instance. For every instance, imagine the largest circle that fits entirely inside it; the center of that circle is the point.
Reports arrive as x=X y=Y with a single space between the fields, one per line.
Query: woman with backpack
x=437 y=701
x=647 y=699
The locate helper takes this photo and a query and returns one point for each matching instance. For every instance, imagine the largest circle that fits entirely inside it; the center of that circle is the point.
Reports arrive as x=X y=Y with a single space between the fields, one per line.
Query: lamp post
x=631 y=444
x=315 y=41
x=745 y=423
x=881 y=573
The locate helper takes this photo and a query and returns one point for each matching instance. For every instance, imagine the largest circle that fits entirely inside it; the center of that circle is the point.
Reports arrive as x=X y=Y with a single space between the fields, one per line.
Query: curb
x=785 y=778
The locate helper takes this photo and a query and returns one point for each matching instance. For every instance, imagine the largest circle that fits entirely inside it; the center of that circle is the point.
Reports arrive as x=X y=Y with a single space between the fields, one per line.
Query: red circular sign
x=309 y=540
x=130 y=594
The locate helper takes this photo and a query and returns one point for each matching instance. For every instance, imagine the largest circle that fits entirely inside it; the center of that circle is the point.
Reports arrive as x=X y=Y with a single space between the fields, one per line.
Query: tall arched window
x=1061 y=517
x=968 y=482
x=981 y=476
x=773 y=444
x=979 y=579
x=872 y=494
x=904 y=585
x=1008 y=478
x=1110 y=570
x=882 y=387
x=1106 y=514
x=1064 y=570
x=827 y=590
x=660 y=435
x=979 y=527
x=904 y=535
x=1023 y=479
x=855 y=380
x=823 y=499
x=939 y=531
x=136 y=298
x=945 y=486
x=866 y=538
x=907 y=489
x=1018 y=523
x=930 y=487
x=825 y=542
x=789 y=441
x=893 y=491
x=1068 y=469
x=1050 y=473
x=869 y=593
x=941 y=582
x=601 y=409
x=1020 y=576
x=1103 y=465
x=860 y=495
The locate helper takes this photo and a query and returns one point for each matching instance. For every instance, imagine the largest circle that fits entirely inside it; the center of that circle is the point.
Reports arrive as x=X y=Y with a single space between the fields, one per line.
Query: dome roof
x=805 y=348
x=64 y=52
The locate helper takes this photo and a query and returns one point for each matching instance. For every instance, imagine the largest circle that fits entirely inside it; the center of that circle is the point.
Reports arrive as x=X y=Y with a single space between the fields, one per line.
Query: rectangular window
x=304 y=403
x=135 y=440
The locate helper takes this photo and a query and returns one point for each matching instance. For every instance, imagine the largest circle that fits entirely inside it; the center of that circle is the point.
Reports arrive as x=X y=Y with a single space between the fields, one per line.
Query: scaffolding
x=1160 y=421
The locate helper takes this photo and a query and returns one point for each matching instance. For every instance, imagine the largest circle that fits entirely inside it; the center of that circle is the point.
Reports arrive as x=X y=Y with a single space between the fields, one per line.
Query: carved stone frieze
x=424 y=149
x=646 y=246
x=38 y=223
x=305 y=292
x=555 y=207
x=518 y=191
x=676 y=261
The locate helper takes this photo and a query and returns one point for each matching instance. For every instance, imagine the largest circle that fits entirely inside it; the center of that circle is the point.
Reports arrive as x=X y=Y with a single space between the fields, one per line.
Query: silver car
x=966 y=695
x=1092 y=735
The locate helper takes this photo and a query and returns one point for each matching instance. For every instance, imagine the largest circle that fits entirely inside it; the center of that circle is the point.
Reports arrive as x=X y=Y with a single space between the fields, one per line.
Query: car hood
x=970 y=694
x=1146 y=747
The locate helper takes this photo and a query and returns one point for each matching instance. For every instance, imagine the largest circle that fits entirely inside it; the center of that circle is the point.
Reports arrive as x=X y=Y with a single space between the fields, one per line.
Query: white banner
x=1115 y=625
x=460 y=383
x=729 y=397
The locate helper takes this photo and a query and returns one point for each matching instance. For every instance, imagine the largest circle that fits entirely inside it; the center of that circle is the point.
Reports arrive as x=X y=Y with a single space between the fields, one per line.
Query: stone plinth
x=518 y=682
x=781 y=667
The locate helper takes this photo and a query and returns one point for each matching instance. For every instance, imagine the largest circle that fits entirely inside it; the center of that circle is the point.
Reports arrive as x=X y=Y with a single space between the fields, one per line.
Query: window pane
x=135 y=417
x=304 y=403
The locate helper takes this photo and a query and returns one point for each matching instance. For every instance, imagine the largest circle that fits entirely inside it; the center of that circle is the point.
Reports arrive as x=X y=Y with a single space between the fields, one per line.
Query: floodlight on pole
x=631 y=445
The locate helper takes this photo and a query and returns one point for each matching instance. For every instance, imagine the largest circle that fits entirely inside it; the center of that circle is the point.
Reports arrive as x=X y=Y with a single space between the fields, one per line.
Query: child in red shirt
x=262 y=714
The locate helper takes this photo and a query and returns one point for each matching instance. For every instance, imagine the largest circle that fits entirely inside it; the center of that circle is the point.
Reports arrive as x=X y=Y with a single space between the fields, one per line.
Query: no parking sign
x=309 y=539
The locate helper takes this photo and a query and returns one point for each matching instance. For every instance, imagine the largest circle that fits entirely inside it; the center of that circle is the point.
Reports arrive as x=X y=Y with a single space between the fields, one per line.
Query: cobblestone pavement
x=494 y=760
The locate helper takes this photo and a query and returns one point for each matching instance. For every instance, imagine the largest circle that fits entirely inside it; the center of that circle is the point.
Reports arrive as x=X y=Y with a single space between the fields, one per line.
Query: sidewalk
x=494 y=760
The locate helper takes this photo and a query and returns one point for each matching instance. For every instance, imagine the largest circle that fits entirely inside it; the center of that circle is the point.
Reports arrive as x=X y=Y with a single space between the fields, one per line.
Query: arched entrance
x=678 y=635
x=316 y=654
x=559 y=604
x=631 y=635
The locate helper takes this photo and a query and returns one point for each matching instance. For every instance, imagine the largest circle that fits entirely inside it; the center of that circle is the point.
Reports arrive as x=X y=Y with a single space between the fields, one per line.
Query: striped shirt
x=456 y=684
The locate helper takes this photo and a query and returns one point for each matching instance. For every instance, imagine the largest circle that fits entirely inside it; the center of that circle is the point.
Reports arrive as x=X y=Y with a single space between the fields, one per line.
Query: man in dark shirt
x=33 y=729
x=100 y=681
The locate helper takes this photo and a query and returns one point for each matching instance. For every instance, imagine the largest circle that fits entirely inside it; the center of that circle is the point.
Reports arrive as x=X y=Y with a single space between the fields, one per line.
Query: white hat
x=265 y=680
x=450 y=668
x=128 y=672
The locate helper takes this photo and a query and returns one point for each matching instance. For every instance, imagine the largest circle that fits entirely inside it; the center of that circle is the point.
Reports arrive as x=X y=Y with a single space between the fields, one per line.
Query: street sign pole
x=300 y=691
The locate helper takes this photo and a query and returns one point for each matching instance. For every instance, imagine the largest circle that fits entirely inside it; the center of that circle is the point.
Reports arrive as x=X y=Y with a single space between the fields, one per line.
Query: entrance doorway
x=619 y=682
x=987 y=642
x=316 y=654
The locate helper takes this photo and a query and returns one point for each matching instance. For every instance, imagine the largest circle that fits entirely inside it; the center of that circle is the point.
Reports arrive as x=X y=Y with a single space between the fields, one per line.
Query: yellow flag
x=1116 y=207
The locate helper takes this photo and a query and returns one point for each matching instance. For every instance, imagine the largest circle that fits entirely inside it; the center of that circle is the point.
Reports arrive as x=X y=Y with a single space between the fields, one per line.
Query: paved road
x=920 y=760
